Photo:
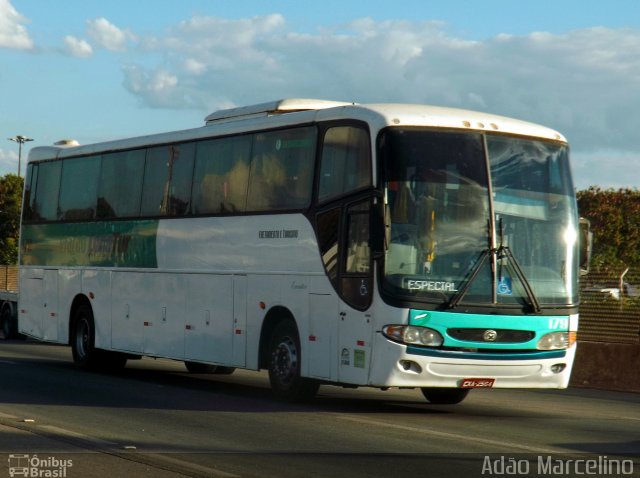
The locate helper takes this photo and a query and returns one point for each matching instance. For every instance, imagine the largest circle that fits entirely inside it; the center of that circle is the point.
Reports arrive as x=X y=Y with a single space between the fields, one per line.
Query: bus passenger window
x=121 y=184
x=30 y=180
x=78 y=188
x=180 y=177
x=155 y=188
x=281 y=169
x=45 y=202
x=166 y=190
x=221 y=175
x=346 y=162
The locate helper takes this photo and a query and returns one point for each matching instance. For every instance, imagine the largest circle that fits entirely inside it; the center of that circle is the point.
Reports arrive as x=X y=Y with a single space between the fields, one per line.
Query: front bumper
x=398 y=365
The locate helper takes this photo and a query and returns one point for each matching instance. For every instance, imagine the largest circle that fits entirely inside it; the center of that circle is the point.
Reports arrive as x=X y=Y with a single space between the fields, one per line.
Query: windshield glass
x=439 y=229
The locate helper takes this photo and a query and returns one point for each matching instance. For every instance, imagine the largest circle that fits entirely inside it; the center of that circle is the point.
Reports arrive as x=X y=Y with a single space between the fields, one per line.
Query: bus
x=380 y=245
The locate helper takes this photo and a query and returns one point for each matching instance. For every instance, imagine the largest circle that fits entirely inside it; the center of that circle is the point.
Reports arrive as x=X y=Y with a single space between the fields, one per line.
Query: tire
x=9 y=328
x=85 y=354
x=445 y=396
x=197 y=367
x=284 y=365
x=83 y=337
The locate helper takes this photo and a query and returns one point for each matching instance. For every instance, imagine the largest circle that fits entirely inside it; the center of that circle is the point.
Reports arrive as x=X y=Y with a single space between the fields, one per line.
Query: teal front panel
x=442 y=321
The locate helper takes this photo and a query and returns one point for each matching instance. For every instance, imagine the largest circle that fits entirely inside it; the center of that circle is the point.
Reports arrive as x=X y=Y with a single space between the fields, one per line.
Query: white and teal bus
x=377 y=245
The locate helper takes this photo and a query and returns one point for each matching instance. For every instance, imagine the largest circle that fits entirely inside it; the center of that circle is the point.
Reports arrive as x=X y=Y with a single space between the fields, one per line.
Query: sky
x=95 y=70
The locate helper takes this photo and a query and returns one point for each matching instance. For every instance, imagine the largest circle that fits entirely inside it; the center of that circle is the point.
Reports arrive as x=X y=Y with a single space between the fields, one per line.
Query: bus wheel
x=284 y=365
x=8 y=324
x=197 y=367
x=444 y=396
x=83 y=337
x=85 y=355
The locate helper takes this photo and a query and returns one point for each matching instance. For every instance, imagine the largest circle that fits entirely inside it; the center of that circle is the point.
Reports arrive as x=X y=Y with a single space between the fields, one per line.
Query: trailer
x=9 y=301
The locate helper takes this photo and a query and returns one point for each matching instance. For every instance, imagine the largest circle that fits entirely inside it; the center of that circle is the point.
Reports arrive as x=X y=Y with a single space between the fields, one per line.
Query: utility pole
x=20 y=140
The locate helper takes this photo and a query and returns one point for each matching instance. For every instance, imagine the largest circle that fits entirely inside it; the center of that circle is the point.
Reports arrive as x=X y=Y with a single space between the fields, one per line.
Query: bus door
x=344 y=239
x=355 y=326
x=343 y=228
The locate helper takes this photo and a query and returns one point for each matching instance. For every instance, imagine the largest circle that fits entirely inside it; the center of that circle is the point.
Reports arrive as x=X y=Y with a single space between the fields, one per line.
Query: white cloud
x=77 y=47
x=194 y=66
x=585 y=83
x=106 y=35
x=614 y=169
x=157 y=88
x=13 y=34
x=8 y=162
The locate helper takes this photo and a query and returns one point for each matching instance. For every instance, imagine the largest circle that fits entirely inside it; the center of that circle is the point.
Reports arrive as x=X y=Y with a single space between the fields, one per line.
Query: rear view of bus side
x=368 y=245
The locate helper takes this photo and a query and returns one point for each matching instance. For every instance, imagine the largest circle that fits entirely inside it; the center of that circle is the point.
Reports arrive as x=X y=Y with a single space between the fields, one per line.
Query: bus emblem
x=490 y=335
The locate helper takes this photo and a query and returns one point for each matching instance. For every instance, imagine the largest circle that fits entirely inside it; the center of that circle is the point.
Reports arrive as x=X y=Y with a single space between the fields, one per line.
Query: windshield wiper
x=504 y=251
x=458 y=296
x=500 y=252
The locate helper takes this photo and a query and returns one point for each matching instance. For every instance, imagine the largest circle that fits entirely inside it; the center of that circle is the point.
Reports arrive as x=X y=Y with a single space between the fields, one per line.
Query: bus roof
x=291 y=111
x=288 y=105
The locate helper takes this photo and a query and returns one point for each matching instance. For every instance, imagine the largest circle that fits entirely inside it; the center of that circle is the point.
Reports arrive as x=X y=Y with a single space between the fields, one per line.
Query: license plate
x=477 y=382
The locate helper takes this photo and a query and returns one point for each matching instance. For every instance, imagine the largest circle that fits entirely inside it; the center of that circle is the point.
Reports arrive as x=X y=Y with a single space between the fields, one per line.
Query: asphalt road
x=154 y=419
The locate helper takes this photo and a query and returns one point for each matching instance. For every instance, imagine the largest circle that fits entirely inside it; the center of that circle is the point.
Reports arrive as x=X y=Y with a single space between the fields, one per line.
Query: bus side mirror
x=586 y=243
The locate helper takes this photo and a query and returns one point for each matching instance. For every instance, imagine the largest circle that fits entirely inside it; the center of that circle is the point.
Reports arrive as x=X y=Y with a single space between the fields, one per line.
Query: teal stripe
x=442 y=321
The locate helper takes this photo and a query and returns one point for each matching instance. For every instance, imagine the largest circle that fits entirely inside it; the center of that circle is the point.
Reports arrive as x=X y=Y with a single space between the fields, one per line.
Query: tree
x=615 y=223
x=10 y=205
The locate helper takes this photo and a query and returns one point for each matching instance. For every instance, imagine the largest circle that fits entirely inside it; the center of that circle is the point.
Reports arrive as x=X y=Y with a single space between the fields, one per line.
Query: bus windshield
x=478 y=219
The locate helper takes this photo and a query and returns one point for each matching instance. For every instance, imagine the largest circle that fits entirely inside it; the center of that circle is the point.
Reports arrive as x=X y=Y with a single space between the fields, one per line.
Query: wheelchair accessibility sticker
x=504 y=286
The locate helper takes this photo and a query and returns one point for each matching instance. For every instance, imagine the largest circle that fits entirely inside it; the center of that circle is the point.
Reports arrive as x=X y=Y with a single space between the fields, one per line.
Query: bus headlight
x=408 y=334
x=556 y=341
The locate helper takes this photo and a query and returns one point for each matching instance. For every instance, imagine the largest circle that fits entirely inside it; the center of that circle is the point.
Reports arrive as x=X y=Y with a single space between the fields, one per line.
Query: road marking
x=451 y=436
x=630 y=418
x=85 y=441
x=183 y=465
x=98 y=445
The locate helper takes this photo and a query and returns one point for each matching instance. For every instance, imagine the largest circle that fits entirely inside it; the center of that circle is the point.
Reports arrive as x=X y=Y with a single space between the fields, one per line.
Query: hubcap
x=82 y=337
x=285 y=360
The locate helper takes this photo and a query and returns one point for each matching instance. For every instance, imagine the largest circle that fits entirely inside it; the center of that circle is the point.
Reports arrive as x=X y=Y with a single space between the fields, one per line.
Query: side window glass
x=282 y=169
x=356 y=279
x=45 y=205
x=31 y=179
x=181 y=157
x=121 y=184
x=358 y=253
x=166 y=190
x=346 y=162
x=328 y=229
x=221 y=175
x=79 y=188
x=156 y=186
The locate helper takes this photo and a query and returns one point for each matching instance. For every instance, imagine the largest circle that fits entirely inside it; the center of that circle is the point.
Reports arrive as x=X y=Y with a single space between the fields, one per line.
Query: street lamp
x=20 y=140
